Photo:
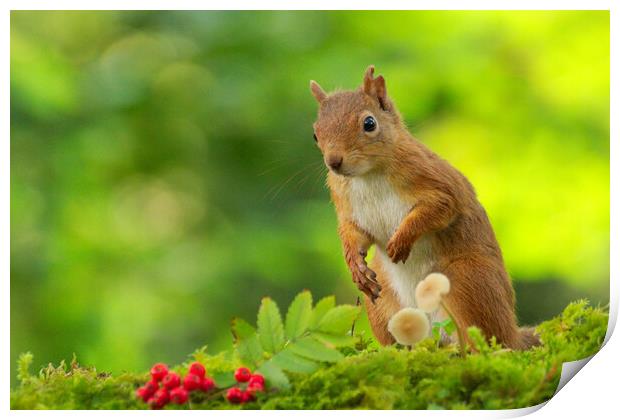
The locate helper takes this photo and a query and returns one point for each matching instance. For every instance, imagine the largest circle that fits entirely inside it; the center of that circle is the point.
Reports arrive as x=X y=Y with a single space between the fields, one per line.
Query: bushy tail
x=528 y=338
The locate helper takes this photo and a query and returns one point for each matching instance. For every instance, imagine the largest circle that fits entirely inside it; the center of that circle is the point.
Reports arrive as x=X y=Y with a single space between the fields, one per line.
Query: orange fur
x=379 y=313
x=441 y=208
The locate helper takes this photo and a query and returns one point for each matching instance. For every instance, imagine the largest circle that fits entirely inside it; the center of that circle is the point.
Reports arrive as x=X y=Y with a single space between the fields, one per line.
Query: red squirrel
x=421 y=213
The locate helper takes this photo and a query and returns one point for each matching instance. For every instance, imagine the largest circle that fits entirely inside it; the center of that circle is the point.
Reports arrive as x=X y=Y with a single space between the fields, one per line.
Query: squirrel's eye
x=315 y=139
x=369 y=124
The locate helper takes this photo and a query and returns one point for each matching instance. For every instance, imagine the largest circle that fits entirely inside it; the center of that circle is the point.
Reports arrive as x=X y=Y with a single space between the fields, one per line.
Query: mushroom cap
x=429 y=291
x=409 y=325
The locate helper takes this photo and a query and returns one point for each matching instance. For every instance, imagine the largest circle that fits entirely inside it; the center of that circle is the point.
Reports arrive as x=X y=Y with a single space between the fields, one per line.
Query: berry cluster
x=254 y=383
x=171 y=389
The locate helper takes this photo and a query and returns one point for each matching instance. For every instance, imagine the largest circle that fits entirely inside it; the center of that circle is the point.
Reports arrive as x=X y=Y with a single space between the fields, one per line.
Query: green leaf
x=270 y=329
x=338 y=320
x=241 y=329
x=224 y=379
x=292 y=362
x=335 y=340
x=449 y=326
x=321 y=308
x=311 y=348
x=249 y=350
x=274 y=375
x=298 y=315
x=246 y=342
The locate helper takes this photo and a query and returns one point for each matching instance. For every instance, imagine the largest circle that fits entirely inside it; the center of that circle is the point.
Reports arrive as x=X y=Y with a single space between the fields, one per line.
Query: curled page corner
x=570 y=369
x=613 y=316
x=520 y=412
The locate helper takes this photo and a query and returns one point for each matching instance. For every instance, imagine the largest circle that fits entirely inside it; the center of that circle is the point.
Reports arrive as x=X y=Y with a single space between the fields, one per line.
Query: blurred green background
x=164 y=177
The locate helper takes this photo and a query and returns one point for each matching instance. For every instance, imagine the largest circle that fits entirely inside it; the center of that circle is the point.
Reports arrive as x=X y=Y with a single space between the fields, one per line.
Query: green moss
x=426 y=377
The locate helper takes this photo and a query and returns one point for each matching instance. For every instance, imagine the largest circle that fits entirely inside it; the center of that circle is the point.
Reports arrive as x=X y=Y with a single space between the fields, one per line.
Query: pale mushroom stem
x=458 y=329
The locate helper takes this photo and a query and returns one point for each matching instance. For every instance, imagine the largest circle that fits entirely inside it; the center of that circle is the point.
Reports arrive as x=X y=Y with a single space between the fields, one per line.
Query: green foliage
x=446 y=325
x=311 y=348
x=580 y=325
x=311 y=337
x=298 y=315
x=322 y=307
x=427 y=377
x=338 y=320
x=247 y=343
x=270 y=330
x=77 y=387
x=23 y=367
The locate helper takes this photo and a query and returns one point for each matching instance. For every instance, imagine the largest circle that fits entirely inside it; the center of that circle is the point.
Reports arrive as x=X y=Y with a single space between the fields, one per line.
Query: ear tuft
x=368 y=79
x=318 y=92
x=381 y=92
x=375 y=87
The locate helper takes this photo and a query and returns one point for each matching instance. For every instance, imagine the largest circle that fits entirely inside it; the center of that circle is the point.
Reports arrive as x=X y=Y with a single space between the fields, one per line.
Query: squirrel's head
x=355 y=129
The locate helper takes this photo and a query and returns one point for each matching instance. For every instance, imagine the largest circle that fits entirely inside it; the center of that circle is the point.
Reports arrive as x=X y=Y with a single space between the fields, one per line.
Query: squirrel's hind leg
x=481 y=295
x=385 y=306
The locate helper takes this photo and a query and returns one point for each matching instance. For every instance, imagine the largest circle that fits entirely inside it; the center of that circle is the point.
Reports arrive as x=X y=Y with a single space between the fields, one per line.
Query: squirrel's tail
x=528 y=338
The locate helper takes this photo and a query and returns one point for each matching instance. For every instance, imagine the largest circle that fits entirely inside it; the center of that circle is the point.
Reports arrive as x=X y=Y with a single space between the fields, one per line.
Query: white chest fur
x=379 y=210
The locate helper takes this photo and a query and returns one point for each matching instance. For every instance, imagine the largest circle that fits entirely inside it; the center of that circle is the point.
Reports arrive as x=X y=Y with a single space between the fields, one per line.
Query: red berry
x=152 y=386
x=254 y=387
x=152 y=402
x=207 y=384
x=162 y=395
x=171 y=380
x=158 y=371
x=243 y=374
x=197 y=369
x=234 y=395
x=179 y=395
x=191 y=382
x=247 y=396
x=159 y=399
x=143 y=393
x=257 y=379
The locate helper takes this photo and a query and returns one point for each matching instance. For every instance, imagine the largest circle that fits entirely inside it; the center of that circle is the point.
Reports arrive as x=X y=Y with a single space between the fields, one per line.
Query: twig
x=357 y=303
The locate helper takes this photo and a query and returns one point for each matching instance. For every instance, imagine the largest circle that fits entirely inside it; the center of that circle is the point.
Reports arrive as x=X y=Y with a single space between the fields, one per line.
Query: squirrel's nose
x=334 y=162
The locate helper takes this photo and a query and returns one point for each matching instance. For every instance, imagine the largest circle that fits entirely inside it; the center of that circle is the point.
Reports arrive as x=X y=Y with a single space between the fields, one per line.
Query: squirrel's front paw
x=399 y=247
x=364 y=277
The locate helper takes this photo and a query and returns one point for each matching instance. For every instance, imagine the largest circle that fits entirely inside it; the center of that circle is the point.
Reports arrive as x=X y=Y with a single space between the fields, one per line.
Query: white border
x=594 y=390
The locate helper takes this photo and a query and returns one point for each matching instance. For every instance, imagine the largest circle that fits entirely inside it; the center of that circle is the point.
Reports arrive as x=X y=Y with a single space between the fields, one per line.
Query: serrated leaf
x=322 y=307
x=298 y=315
x=338 y=320
x=270 y=328
x=313 y=349
x=292 y=362
x=241 y=329
x=335 y=340
x=274 y=375
x=249 y=350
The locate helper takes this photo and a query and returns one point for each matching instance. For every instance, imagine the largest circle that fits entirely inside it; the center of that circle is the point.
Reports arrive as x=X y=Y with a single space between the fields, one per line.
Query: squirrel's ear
x=385 y=103
x=318 y=92
x=369 y=80
x=375 y=87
